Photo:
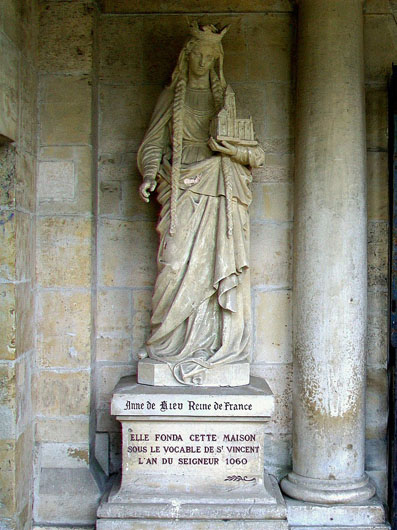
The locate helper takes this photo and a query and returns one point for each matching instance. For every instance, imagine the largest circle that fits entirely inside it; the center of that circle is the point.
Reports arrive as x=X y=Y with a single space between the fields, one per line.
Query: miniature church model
x=226 y=126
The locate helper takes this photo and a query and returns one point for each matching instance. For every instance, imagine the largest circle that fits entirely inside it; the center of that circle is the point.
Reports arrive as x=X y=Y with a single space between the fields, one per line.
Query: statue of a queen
x=201 y=302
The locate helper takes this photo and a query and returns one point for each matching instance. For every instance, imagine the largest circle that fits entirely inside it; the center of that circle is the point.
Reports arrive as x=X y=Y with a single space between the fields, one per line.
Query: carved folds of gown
x=201 y=301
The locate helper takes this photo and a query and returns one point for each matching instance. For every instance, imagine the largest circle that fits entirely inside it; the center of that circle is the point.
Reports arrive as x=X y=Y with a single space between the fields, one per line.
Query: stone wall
x=18 y=90
x=380 y=48
x=65 y=489
x=100 y=73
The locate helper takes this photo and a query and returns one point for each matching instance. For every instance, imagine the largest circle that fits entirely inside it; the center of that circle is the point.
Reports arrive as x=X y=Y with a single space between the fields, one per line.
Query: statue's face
x=201 y=59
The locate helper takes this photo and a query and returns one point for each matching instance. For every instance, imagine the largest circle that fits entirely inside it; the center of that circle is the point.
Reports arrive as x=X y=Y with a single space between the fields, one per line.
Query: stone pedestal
x=193 y=458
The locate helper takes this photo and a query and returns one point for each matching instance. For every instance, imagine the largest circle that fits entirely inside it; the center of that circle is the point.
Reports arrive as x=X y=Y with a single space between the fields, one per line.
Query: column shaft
x=330 y=256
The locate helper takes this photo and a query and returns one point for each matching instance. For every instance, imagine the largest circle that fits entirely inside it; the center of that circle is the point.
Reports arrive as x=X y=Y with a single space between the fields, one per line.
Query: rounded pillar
x=330 y=257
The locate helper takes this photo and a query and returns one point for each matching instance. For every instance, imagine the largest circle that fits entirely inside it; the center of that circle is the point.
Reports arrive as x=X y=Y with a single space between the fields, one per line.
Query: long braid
x=177 y=136
x=217 y=90
x=218 y=93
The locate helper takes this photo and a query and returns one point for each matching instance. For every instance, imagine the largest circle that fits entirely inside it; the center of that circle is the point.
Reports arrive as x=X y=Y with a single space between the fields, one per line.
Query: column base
x=327 y=491
x=369 y=515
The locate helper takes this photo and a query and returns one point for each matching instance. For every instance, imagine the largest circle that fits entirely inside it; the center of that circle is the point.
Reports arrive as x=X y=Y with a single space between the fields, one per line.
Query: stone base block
x=193 y=457
x=155 y=373
x=308 y=516
x=248 y=503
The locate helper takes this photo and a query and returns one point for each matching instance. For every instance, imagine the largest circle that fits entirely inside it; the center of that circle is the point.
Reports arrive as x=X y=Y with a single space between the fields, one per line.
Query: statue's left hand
x=225 y=148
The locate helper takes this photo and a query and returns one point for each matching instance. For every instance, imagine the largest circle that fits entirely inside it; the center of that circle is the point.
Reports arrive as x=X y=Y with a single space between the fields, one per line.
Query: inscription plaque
x=192 y=454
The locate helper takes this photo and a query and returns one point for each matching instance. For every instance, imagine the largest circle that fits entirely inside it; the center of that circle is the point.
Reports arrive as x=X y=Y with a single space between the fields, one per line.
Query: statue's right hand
x=147 y=186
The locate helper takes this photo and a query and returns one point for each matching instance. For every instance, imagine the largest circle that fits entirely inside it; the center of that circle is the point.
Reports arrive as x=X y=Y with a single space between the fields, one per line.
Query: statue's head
x=200 y=53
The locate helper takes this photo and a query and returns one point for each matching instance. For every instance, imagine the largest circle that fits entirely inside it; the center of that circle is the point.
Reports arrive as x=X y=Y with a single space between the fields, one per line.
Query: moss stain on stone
x=79 y=454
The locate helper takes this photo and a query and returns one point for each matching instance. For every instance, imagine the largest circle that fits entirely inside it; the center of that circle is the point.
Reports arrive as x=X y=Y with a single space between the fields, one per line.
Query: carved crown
x=208 y=33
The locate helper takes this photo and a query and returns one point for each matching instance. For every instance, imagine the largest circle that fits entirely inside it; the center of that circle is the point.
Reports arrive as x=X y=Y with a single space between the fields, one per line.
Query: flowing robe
x=201 y=301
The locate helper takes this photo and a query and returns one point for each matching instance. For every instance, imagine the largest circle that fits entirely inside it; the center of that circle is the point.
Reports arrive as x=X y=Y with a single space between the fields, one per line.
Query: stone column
x=330 y=261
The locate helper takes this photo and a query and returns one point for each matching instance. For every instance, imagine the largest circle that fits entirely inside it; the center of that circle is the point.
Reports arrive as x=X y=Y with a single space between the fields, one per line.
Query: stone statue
x=198 y=154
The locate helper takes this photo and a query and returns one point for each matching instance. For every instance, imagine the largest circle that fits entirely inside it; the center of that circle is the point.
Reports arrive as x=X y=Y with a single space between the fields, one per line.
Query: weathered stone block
x=28 y=109
x=120 y=49
x=65 y=110
x=377 y=348
x=7 y=478
x=9 y=79
x=376 y=404
x=62 y=430
x=271 y=254
x=7 y=245
x=114 y=312
x=125 y=113
x=7 y=385
x=132 y=206
x=279 y=378
x=376 y=455
x=376 y=118
x=278 y=454
x=64 y=455
x=25 y=244
x=142 y=301
x=7 y=422
x=73 y=52
x=24 y=398
x=7 y=175
x=271 y=202
x=127 y=253
x=380 y=44
x=272 y=327
x=7 y=321
x=56 y=181
x=162 y=40
x=24 y=460
x=269 y=39
x=29 y=16
x=67 y=496
x=106 y=422
x=278 y=111
x=378 y=254
x=65 y=180
x=110 y=198
x=10 y=21
x=278 y=167
x=62 y=393
x=117 y=166
x=378 y=186
x=252 y=100
x=120 y=181
x=377 y=6
x=235 y=67
x=64 y=251
x=110 y=376
x=116 y=349
x=63 y=329
x=25 y=185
